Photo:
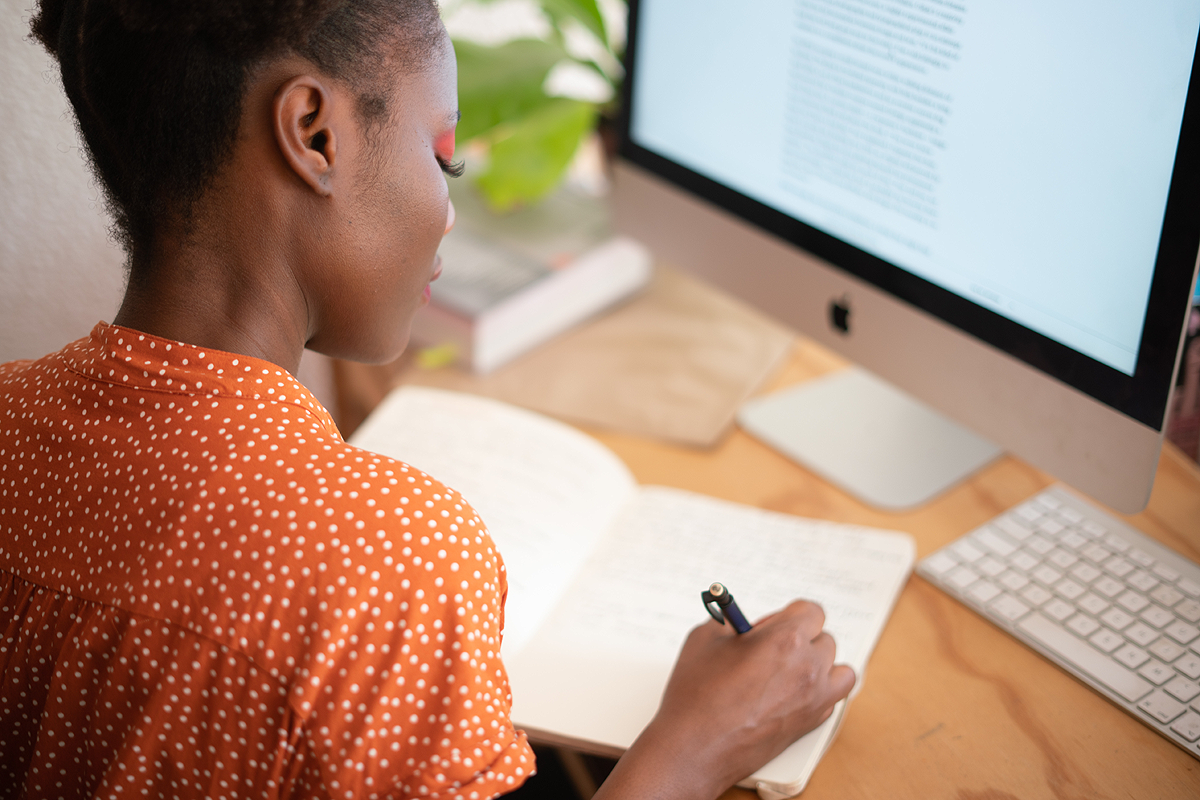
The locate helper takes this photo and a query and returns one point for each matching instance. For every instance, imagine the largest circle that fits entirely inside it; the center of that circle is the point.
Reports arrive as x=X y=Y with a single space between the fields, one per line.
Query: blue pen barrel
x=735 y=617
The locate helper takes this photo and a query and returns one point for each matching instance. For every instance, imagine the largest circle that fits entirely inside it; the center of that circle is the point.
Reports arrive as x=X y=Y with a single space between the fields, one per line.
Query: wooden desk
x=951 y=706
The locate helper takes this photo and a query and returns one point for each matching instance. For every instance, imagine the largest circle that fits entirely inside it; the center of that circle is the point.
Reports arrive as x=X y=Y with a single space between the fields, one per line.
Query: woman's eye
x=452 y=168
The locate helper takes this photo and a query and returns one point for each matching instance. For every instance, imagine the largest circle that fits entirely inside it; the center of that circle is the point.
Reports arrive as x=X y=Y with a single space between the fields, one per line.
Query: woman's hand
x=732 y=704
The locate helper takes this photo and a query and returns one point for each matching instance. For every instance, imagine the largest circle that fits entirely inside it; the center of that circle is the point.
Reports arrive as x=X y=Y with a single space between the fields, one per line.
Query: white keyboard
x=1105 y=602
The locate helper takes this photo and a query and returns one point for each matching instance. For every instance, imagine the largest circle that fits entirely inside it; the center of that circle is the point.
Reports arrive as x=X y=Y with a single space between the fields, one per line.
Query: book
x=493 y=303
x=605 y=575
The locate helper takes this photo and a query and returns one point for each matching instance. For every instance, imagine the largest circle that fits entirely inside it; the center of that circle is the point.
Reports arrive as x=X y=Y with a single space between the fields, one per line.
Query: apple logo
x=839 y=314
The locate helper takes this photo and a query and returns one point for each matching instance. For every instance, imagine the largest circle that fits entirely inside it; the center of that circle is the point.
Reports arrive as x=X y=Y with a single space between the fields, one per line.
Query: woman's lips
x=426 y=293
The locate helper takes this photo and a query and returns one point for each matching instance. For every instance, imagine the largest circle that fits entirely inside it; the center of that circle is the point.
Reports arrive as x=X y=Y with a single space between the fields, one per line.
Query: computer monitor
x=994 y=207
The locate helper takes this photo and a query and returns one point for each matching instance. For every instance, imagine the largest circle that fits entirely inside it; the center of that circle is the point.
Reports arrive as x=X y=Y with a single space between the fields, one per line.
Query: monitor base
x=868 y=438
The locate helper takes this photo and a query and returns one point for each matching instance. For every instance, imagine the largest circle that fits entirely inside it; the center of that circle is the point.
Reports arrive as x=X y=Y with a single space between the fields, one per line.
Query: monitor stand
x=867 y=437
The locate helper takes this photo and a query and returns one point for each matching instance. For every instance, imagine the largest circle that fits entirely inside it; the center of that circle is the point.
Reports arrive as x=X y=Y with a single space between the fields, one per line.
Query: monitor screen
x=1013 y=168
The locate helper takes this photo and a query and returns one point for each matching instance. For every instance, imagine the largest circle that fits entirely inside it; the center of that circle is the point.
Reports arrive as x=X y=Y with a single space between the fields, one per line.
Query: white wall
x=60 y=270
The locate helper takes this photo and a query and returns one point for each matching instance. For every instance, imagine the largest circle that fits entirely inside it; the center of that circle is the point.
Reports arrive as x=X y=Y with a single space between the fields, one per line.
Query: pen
x=720 y=605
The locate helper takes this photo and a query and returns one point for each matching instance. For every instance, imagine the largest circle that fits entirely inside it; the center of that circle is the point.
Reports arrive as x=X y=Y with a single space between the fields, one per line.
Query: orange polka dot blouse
x=205 y=592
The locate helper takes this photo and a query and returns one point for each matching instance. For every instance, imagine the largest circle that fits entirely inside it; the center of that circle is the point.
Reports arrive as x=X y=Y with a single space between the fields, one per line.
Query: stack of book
x=492 y=303
x=511 y=282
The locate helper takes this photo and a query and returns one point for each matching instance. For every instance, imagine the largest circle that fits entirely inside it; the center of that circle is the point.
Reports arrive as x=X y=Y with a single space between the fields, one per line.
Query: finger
x=766 y=619
x=841 y=681
x=808 y=616
x=824 y=647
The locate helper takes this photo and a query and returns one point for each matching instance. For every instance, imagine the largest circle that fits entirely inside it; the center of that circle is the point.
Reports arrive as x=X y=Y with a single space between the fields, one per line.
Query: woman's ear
x=304 y=130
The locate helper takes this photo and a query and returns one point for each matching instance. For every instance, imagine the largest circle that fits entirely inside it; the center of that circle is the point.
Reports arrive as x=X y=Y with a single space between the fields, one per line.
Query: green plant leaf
x=503 y=83
x=528 y=160
x=586 y=11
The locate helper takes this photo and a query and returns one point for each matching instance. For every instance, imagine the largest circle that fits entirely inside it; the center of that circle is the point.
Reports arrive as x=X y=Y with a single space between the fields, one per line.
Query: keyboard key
x=1035 y=595
x=995 y=542
x=1106 y=640
x=1083 y=625
x=1085 y=573
x=1116 y=543
x=1189 y=665
x=1141 y=557
x=1189 y=610
x=1142 y=580
x=1039 y=545
x=1094 y=528
x=990 y=566
x=1133 y=601
x=967 y=551
x=1048 y=501
x=1166 y=573
x=962 y=577
x=1029 y=512
x=1166 y=595
x=1156 y=672
x=1182 y=689
x=1092 y=604
x=1140 y=634
x=983 y=591
x=1014 y=581
x=1096 y=554
x=1010 y=608
x=1118 y=566
x=1157 y=616
x=1165 y=650
x=1108 y=587
x=1061 y=558
x=1049 y=526
x=1188 y=726
x=1189 y=587
x=939 y=563
x=1047 y=575
x=1161 y=707
x=1117 y=619
x=1181 y=632
x=1058 y=609
x=1013 y=528
x=1099 y=666
x=1072 y=540
x=1068 y=588
x=1070 y=515
x=1024 y=561
x=1132 y=657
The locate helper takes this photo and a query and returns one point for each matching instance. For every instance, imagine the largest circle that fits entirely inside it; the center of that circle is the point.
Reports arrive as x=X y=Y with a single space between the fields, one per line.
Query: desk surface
x=951 y=706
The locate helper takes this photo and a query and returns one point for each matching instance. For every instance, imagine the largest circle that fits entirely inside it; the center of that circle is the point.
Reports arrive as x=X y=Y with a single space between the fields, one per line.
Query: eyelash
x=452 y=168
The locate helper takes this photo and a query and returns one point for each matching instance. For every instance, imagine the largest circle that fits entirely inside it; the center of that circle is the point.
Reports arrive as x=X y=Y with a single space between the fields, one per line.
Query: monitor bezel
x=1142 y=396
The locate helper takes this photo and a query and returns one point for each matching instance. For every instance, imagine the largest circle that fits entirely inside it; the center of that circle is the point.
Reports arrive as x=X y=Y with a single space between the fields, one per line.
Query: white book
x=605 y=575
x=493 y=303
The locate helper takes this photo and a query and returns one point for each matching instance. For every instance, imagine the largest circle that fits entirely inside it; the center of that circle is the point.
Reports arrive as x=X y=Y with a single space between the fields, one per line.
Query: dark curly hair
x=157 y=85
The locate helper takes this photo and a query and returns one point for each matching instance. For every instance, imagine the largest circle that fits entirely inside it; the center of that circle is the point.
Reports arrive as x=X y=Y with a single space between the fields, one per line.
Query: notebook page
x=546 y=491
x=596 y=668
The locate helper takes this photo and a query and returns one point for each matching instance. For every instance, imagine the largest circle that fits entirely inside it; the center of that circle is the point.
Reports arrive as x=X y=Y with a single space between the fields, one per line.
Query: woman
x=204 y=592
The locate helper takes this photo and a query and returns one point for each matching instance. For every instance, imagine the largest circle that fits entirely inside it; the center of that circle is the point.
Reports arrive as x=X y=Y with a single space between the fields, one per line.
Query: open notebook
x=605 y=576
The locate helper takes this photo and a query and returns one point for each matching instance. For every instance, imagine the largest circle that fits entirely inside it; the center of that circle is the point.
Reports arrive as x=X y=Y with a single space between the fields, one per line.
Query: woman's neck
x=233 y=295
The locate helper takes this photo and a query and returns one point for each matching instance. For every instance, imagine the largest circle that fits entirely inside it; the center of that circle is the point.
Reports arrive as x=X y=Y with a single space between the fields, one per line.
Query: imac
x=994 y=207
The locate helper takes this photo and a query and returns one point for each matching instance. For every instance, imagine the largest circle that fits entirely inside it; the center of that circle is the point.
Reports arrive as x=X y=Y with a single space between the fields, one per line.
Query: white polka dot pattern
x=205 y=592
